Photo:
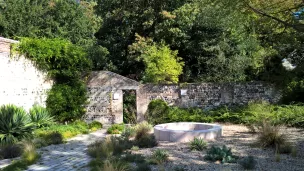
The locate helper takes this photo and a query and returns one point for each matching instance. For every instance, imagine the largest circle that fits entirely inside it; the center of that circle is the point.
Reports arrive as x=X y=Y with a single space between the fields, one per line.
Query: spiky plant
x=198 y=144
x=14 y=124
x=40 y=116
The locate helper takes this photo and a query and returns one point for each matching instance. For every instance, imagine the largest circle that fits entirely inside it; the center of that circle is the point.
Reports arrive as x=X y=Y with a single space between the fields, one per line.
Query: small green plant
x=198 y=144
x=135 y=148
x=159 y=156
x=30 y=155
x=17 y=165
x=10 y=151
x=95 y=125
x=270 y=136
x=129 y=132
x=54 y=138
x=101 y=149
x=148 y=141
x=136 y=158
x=223 y=155
x=115 y=165
x=116 y=129
x=15 y=124
x=248 y=163
x=40 y=116
x=143 y=129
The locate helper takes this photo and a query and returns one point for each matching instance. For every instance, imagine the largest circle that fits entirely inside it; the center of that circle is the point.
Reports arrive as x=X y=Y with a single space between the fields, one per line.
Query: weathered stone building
x=23 y=84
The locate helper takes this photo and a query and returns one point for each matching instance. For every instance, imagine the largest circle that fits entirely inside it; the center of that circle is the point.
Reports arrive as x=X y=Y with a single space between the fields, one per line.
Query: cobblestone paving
x=67 y=157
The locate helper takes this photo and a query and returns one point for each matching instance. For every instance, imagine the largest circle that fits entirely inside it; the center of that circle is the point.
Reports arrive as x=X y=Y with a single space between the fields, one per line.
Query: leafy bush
x=15 y=124
x=220 y=154
x=269 y=135
x=129 y=132
x=157 y=112
x=135 y=148
x=248 y=163
x=40 y=116
x=116 y=129
x=95 y=125
x=159 y=156
x=54 y=138
x=148 y=141
x=101 y=149
x=198 y=144
x=10 y=151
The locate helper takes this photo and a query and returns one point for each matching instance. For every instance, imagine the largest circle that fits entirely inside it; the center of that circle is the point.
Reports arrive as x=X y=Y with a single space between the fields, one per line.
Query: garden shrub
x=223 y=155
x=54 y=138
x=15 y=124
x=248 y=163
x=116 y=129
x=269 y=135
x=66 y=64
x=143 y=166
x=159 y=156
x=115 y=165
x=40 y=116
x=148 y=141
x=198 y=144
x=95 y=125
x=10 y=151
x=101 y=149
x=129 y=132
x=141 y=130
x=134 y=158
x=157 y=112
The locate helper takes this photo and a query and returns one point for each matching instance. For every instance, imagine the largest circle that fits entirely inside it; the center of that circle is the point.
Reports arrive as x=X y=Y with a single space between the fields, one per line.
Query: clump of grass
x=159 y=156
x=101 y=149
x=223 y=155
x=116 y=129
x=248 y=163
x=286 y=148
x=17 y=165
x=30 y=155
x=10 y=151
x=270 y=136
x=198 y=144
x=143 y=137
x=143 y=129
x=95 y=125
x=54 y=138
x=129 y=132
x=115 y=165
x=136 y=158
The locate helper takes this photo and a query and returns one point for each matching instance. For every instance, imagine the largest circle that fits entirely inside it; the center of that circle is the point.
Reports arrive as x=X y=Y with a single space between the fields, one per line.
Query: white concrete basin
x=186 y=131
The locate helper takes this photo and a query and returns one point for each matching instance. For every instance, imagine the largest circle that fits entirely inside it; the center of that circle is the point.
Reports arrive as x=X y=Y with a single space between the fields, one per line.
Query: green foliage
x=30 y=155
x=198 y=144
x=15 y=124
x=40 y=116
x=159 y=156
x=148 y=141
x=248 y=163
x=115 y=165
x=52 y=19
x=270 y=136
x=116 y=129
x=10 y=151
x=53 y=138
x=17 y=165
x=129 y=132
x=66 y=131
x=95 y=125
x=133 y=158
x=162 y=65
x=157 y=112
x=141 y=130
x=129 y=107
x=223 y=155
x=65 y=63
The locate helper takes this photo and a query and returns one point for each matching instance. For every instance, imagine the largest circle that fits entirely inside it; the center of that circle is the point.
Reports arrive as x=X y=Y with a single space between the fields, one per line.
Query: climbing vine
x=66 y=64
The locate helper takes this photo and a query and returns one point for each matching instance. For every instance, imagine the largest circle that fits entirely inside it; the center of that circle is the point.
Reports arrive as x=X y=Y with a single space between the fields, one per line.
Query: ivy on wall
x=66 y=64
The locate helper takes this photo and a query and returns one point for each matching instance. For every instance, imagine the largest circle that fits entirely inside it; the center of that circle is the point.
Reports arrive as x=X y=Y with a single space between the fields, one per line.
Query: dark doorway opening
x=129 y=107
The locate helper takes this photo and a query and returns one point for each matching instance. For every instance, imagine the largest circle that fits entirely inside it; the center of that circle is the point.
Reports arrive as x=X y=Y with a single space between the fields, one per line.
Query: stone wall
x=205 y=95
x=21 y=83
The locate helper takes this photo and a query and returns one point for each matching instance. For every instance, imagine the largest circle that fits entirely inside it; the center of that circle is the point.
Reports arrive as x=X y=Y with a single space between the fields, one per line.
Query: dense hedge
x=290 y=115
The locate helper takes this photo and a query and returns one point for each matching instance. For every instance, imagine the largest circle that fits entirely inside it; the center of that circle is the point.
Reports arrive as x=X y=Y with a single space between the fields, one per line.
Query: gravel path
x=67 y=157
x=241 y=142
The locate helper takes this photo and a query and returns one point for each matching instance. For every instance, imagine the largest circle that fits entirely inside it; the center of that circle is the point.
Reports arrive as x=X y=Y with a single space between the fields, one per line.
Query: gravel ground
x=241 y=141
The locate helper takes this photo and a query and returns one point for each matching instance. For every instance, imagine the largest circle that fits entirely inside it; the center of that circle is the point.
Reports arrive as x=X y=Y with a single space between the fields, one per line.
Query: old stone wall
x=205 y=95
x=21 y=83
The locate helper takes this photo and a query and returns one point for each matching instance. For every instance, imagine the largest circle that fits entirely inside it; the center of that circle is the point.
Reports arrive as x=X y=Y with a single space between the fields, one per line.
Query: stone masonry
x=23 y=84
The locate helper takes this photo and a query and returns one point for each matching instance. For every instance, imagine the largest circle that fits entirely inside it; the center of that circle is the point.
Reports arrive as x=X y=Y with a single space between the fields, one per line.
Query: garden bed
x=241 y=142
